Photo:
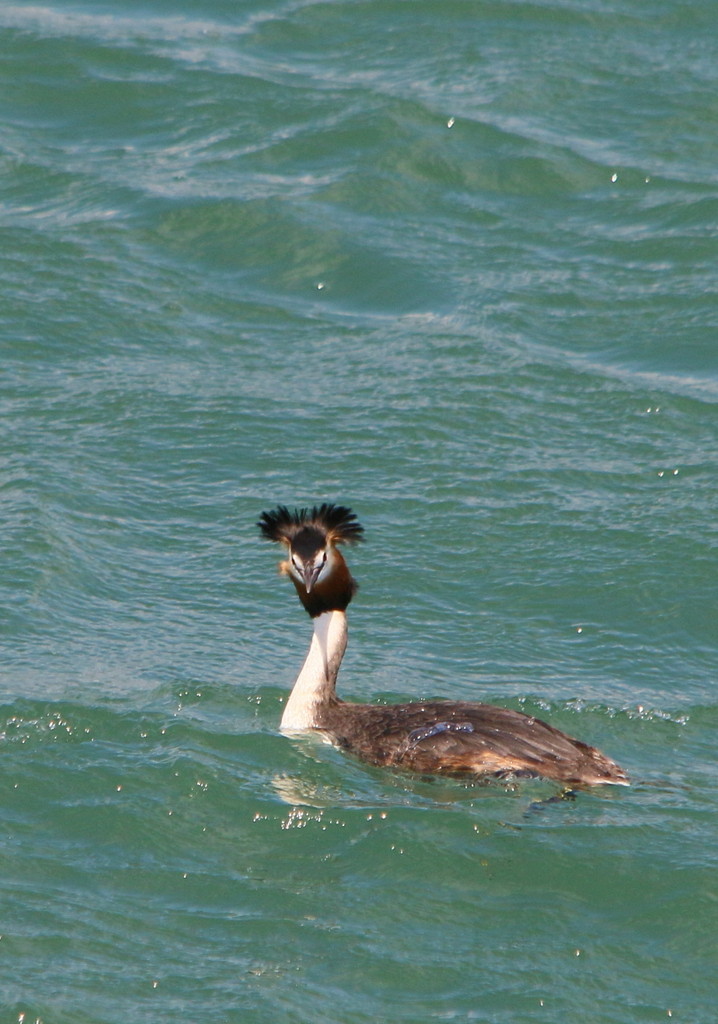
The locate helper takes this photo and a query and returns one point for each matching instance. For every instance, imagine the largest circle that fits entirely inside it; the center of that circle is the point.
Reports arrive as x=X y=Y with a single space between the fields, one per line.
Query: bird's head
x=314 y=565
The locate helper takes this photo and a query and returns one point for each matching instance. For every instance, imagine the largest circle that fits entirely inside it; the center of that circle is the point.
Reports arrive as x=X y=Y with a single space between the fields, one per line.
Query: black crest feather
x=337 y=522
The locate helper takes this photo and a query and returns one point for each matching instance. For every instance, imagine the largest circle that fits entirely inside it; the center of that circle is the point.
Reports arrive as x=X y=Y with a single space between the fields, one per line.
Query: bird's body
x=436 y=737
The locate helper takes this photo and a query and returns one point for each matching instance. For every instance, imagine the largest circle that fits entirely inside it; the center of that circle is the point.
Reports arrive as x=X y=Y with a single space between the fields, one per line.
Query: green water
x=455 y=265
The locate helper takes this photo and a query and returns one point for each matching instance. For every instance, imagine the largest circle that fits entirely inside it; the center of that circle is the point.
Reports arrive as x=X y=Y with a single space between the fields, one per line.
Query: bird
x=459 y=738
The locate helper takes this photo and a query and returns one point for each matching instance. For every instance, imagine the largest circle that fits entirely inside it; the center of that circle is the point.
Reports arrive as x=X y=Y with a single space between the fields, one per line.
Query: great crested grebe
x=434 y=737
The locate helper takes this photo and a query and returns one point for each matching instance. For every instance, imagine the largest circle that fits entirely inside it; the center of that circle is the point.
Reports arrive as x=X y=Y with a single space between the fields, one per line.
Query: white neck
x=317 y=679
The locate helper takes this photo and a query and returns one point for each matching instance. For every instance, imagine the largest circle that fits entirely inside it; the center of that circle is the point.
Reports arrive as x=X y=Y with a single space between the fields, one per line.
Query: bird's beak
x=311 y=572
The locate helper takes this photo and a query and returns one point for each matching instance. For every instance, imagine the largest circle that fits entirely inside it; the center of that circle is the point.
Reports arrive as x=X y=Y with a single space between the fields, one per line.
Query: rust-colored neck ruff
x=332 y=593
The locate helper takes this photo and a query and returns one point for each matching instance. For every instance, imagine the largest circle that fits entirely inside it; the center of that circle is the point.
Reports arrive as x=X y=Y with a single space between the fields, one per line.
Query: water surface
x=454 y=265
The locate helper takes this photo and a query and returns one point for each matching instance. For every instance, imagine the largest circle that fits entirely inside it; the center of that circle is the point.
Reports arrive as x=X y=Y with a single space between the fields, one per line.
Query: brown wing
x=462 y=738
